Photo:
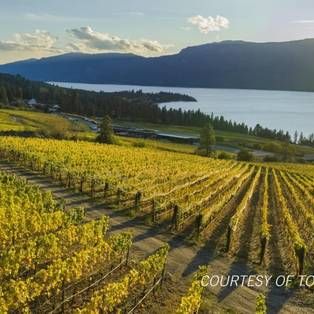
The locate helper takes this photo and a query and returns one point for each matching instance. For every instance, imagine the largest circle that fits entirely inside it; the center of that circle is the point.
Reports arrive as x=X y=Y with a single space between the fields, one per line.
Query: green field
x=235 y=140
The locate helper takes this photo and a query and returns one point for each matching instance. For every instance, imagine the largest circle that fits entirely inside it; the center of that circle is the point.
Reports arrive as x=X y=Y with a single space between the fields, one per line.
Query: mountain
x=227 y=64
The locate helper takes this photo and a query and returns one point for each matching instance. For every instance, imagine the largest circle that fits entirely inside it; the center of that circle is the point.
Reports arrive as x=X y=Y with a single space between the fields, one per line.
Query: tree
x=4 y=96
x=245 y=155
x=301 y=138
x=207 y=137
x=106 y=132
x=288 y=151
x=296 y=136
x=19 y=93
x=77 y=102
x=224 y=155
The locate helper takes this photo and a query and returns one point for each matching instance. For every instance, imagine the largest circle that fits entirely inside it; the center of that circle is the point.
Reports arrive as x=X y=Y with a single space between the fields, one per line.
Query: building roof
x=32 y=101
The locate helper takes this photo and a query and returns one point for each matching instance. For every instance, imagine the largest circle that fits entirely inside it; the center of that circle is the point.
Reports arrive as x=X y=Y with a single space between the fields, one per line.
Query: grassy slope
x=31 y=121
x=160 y=145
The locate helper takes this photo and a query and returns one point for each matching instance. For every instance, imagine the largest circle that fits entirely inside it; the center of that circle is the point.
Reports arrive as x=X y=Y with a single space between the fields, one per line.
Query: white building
x=54 y=108
x=32 y=102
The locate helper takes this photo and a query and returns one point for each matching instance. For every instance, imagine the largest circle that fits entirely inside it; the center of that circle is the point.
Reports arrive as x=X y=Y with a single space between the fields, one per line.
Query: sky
x=41 y=28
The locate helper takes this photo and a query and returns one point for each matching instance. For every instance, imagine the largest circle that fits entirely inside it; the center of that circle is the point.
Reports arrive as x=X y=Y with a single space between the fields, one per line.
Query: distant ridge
x=227 y=64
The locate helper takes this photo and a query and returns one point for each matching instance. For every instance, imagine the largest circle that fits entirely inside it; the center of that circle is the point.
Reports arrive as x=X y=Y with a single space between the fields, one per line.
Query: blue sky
x=36 y=28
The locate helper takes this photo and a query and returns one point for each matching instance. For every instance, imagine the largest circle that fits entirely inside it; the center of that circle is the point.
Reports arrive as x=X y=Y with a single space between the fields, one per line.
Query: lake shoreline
x=286 y=110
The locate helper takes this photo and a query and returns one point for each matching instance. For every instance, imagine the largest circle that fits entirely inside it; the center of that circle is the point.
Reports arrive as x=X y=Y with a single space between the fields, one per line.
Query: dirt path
x=183 y=259
x=280 y=259
x=247 y=244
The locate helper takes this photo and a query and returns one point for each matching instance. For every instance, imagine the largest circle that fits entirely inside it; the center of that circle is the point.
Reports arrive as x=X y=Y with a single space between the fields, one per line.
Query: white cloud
x=304 y=22
x=44 y=17
x=209 y=24
x=37 y=41
x=40 y=17
x=130 y=13
x=41 y=43
x=88 y=40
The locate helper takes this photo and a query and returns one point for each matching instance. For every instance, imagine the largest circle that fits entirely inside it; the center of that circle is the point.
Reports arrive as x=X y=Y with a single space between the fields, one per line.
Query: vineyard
x=54 y=260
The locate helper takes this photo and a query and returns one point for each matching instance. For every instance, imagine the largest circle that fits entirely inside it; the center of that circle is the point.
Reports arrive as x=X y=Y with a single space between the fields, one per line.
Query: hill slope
x=228 y=64
x=30 y=123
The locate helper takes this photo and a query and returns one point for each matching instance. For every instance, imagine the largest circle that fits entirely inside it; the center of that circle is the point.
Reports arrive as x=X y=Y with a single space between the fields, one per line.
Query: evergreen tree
x=207 y=137
x=287 y=151
x=296 y=136
x=244 y=155
x=19 y=93
x=301 y=138
x=106 y=131
x=77 y=102
x=4 y=96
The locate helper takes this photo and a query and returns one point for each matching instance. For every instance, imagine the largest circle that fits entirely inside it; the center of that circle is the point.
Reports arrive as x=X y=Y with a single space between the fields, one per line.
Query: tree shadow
x=129 y=223
x=203 y=256
x=239 y=268
x=78 y=201
x=219 y=224
x=277 y=297
x=209 y=251
x=181 y=239
x=149 y=233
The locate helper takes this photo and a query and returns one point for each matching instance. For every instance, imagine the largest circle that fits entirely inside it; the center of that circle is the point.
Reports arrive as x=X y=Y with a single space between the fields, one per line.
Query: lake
x=289 y=111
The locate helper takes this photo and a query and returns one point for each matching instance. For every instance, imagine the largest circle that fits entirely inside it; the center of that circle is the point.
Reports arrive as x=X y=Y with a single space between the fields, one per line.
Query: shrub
x=244 y=155
x=257 y=146
x=224 y=155
x=106 y=134
x=272 y=147
x=203 y=152
x=220 y=139
x=139 y=144
x=269 y=158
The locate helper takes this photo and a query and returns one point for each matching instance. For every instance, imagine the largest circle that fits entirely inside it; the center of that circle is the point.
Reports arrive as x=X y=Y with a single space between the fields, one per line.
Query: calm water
x=289 y=111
